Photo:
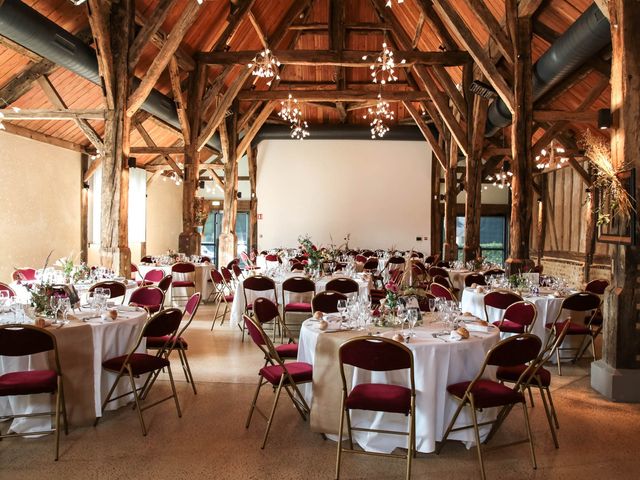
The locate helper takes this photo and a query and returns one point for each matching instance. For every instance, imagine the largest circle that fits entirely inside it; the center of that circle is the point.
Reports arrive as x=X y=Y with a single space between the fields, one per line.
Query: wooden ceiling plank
x=53 y=114
x=148 y=30
x=137 y=98
x=178 y=98
x=258 y=30
x=453 y=19
x=427 y=133
x=56 y=100
x=436 y=25
x=42 y=137
x=494 y=28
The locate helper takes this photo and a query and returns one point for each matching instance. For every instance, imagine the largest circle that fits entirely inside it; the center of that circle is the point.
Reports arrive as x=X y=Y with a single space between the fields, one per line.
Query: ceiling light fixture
x=383 y=70
x=265 y=65
x=290 y=110
x=502 y=179
x=379 y=116
x=390 y=3
x=299 y=129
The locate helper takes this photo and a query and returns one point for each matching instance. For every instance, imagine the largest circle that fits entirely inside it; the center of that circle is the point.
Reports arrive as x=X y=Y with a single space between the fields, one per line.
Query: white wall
x=378 y=191
x=40 y=198
x=164 y=217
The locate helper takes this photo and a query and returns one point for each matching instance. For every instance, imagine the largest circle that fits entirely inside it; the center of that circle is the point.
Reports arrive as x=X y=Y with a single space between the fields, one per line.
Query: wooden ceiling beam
x=333 y=95
x=419 y=28
x=258 y=30
x=578 y=116
x=137 y=98
x=151 y=143
x=54 y=114
x=436 y=25
x=56 y=100
x=245 y=143
x=354 y=26
x=44 y=138
x=495 y=30
x=156 y=150
x=431 y=139
x=466 y=37
x=16 y=47
x=349 y=58
x=149 y=28
x=98 y=13
x=178 y=98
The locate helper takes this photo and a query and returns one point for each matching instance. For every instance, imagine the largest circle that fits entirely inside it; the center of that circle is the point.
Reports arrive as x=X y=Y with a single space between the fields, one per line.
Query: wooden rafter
x=151 y=143
x=245 y=143
x=438 y=152
x=178 y=98
x=494 y=28
x=42 y=137
x=333 y=95
x=436 y=25
x=98 y=20
x=156 y=150
x=53 y=114
x=148 y=30
x=258 y=29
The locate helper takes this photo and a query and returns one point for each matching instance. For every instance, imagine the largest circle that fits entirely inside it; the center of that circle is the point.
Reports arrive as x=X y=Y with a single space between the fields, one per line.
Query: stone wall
x=573 y=270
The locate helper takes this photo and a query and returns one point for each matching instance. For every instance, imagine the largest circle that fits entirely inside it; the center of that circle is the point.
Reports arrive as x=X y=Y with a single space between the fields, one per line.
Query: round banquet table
x=438 y=363
x=201 y=278
x=238 y=305
x=82 y=347
x=457 y=277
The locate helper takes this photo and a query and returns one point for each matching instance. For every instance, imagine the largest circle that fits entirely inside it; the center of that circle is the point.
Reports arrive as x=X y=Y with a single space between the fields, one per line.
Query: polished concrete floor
x=598 y=439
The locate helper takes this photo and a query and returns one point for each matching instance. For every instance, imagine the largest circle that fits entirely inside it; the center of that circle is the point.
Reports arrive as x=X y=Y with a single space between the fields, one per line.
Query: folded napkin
x=454 y=336
x=477 y=326
x=128 y=308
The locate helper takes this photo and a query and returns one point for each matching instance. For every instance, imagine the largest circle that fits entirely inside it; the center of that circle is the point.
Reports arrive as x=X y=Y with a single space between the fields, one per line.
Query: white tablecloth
x=238 y=306
x=437 y=364
x=201 y=279
x=457 y=277
x=109 y=340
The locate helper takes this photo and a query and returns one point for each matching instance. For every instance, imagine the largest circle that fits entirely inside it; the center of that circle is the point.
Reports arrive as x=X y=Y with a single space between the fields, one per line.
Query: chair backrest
x=165 y=283
x=165 y=322
x=362 y=259
x=597 y=286
x=581 y=302
x=396 y=261
x=370 y=264
x=204 y=258
x=415 y=254
x=326 y=301
x=183 y=267
x=116 y=289
x=297 y=266
x=501 y=299
x=440 y=280
x=272 y=257
x=19 y=340
x=343 y=285
x=430 y=259
x=369 y=253
x=230 y=264
x=261 y=339
x=423 y=301
x=147 y=296
x=6 y=288
x=523 y=313
x=265 y=310
x=258 y=283
x=515 y=350
x=476 y=278
x=443 y=264
x=192 y=304
x=237 y=271
x=440 y=291
x=26 y=274
x=433 y=271
x=226 y=274
x=216 y=277
x=146 y=259
x=298 y=285
x=154 y=275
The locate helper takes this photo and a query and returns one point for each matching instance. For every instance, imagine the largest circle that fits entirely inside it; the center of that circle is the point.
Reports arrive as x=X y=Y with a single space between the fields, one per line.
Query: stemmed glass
x=54 y=302
x=342 y=308
x=412 y=317
x=64 y=305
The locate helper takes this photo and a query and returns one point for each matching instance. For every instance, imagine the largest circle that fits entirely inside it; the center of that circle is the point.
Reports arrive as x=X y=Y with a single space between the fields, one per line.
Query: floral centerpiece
x=67 y=266
x=41 y=293
x=314 y=256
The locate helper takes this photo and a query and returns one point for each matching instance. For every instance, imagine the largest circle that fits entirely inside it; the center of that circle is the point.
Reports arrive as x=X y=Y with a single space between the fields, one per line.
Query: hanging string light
x=551 y=156
x=379 y=115
x=502 y=179
x=299 y=129
x=290 y=110
x=390 y=3
x=265 y=65
x=383 y=70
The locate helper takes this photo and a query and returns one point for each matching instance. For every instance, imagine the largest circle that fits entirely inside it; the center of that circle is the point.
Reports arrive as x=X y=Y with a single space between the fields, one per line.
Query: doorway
x=212 y=229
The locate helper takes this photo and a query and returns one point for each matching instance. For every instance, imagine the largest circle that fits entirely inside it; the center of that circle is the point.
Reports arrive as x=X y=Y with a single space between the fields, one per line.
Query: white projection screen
x=377 y=191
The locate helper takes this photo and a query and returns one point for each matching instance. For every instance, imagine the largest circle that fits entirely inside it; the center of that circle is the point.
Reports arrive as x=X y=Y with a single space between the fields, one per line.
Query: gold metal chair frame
x=284 y=302
x=453 y=295
x=527 y=328
x=140 y=393
x=484 y=305
x=345 y=412
x=148 y=287
x=191 y=276
x=286 y=382
x=219 y=297
x=589 y=337
x=467 y=399
x=60 y=405
x=257 y=293
x=110 y=282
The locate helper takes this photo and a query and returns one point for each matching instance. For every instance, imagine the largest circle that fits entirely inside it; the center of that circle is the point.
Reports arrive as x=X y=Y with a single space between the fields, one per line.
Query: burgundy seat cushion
x=380 y=397
x=298 y=307
x=574 y=328
x=28 y=382
x=140 y=363
x=512 y=374
x=159 y=342
x=228 y=298
x=487 y=393
x=183 y=283
x=288 y=350
x=510 y=327
x=300 y=372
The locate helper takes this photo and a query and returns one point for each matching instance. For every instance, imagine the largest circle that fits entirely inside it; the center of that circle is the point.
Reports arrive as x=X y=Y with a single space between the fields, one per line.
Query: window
x=211 y=232
x=493 y=238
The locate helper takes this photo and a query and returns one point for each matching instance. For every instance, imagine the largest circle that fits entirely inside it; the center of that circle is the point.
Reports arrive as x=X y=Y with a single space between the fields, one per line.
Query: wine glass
x=64 y=305
x=432 y=305
x=342 y=308
x=412 y=317
x=54 y=302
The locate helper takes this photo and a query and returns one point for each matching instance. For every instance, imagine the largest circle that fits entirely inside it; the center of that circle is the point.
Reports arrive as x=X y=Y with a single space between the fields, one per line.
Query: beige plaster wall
x=40 y=198
x=164 y=217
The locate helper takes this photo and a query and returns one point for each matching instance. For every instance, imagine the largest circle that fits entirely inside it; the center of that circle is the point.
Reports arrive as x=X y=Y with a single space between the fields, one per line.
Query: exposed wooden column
x=84 y=210
x=189 y=240
x=450 y=248
x=541 y=220
x=252 y=158
x=112 y=27
x=522 y=161
x=617 y=374
x=473 y=182
x=228 y=239
x=436 y=213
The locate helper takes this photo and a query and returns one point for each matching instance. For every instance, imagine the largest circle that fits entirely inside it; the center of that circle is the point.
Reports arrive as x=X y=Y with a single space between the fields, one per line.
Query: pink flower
x=392 y=287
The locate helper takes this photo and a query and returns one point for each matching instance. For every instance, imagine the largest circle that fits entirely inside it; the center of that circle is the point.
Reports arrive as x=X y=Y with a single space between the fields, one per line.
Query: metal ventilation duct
x=589 y=34
x=338 y=132
x=28 y=28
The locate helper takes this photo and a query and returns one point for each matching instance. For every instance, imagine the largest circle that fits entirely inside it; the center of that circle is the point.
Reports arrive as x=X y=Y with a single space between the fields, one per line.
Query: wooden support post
x=189 y=240
x=436 y=213
x=522 y=164
x=84 y=210
x=252 y=158
x=228 y=240
x=617 y=374
x=541 y=230
x=450 y=248
x=473 y=182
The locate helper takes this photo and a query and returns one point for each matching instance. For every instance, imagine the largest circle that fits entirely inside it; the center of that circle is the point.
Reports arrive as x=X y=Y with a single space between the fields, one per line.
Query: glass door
x=212 y=229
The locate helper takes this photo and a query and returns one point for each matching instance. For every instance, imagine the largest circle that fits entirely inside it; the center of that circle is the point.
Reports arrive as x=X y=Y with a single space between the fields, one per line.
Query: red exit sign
x=259 y=216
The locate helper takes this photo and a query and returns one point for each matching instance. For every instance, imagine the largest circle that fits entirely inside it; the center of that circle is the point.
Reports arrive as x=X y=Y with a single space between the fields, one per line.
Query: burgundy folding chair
x=6 y=288
x=395 y=262
x=597 y=286
x=539 y=377
x=164 y=285
x=230 y=282
x=343 y=285
x=519 y=317
x=150 y=298
x=278 y=374
x=444 y=281
x=134 y=271
x=266 y=311
x=237 y=272
x=433 y=271
x=205 y=259
x=178 y=342
x=220 y=296
x=423 y=301
x=327 y=301
x=297 y=266
x=300 y=286
x=186 y=271
x=443 y=264
x=152 y=277
x=370 y=265
x=23 y=340
x=476 y=278
x=134 y=365
x=431 y=259
x=481 y=393
x=587 y=304
x=116 y=289
x=500 y=300
x=24 y=275
x=369 y=253
x=362 y=259
x=377 y=355
x=257 y=286
x=146 y=259
x=440 y=291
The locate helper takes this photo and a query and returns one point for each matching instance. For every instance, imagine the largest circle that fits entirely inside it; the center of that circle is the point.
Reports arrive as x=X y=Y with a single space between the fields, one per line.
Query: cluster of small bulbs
x=2 y=127
x=292 y=113
x=390 y=3
x=501 y=179
x=384 y=68
x=547 y=158
x=265 y=65
x=173 y=176
x=378 y=116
